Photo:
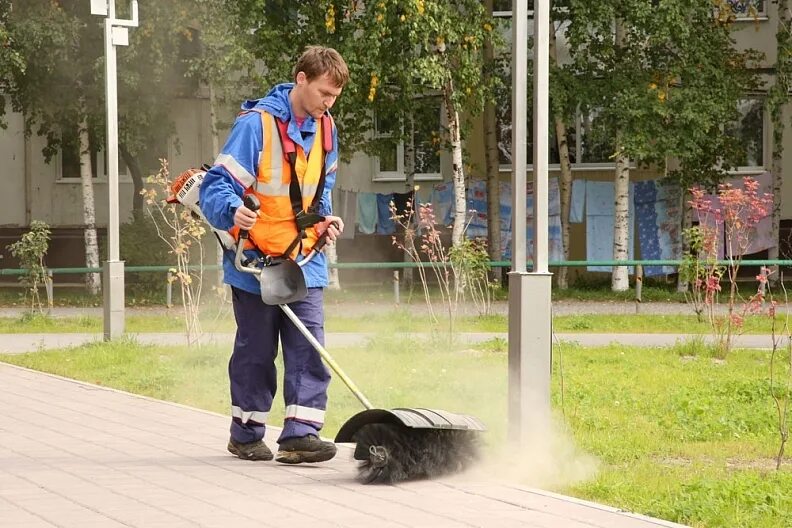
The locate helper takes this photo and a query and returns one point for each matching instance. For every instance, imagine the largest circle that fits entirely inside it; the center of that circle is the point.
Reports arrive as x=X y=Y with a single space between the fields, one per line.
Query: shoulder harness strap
x=304 y=218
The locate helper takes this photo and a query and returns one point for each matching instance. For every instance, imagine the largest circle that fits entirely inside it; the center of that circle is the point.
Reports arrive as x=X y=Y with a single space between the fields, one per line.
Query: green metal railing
x=395 y=266
x=403 y=265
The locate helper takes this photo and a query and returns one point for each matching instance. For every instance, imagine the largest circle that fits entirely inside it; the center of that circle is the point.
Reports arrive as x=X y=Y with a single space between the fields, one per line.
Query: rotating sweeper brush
x=391 y=445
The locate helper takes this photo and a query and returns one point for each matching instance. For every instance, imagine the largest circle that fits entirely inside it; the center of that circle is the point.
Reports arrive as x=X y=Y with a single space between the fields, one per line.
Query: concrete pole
x=116 y=34
x=530 y=319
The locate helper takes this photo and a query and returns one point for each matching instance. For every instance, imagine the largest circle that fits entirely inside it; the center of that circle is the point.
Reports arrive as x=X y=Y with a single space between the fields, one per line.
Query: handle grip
x=251 y=202
x=321 y=242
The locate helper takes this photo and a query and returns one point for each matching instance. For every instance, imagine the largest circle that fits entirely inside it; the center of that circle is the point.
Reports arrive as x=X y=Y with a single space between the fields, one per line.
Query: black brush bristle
x=391 y=453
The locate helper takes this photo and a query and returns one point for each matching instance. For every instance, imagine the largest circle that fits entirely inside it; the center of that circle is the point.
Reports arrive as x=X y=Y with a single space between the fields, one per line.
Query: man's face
x=317 y=95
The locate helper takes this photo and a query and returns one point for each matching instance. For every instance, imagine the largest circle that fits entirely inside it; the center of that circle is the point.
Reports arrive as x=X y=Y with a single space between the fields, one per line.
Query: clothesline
x=654 y=213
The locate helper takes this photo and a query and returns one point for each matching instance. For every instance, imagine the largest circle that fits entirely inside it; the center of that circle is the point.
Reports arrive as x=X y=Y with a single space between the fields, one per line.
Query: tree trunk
x=778 y=99
x=409 y=170
x=778 y=181
x=686 y=223
x=457 y=169
x=565 y=182
x=621 y=222
x=492 y=160
x=332 y=258
x=621 y=210
x=92 y=280
x=136 y=174
x=216 y=152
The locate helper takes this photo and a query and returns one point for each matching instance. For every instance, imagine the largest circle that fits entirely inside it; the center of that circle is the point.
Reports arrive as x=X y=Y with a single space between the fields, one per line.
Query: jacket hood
x=276 y=102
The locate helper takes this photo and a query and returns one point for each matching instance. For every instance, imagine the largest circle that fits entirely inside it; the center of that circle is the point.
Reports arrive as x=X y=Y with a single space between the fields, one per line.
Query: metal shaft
x=326 y=356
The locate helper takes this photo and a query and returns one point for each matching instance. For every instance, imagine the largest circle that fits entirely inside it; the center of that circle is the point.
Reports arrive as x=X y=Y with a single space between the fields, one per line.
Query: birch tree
x=778 y=98
x=12 y=62
x=491 y=158
x=563 y=110
x=663 y=81
x=431 y=46
x=397 y=52
x=58 y=91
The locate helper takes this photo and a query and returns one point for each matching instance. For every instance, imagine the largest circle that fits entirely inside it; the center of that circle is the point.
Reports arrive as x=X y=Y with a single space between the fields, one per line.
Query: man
x=253 y=162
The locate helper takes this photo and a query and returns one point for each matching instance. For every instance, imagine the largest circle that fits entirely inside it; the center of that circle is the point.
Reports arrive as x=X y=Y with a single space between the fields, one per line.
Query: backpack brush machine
x=391 y=445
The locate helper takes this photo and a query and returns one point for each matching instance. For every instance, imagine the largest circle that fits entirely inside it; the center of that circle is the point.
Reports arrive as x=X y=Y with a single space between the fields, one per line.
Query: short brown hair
x=319 y=60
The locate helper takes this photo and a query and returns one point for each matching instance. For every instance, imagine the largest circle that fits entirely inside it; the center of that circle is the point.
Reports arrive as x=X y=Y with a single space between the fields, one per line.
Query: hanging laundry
x=385 y=223
x=476 y=220
x=403 y=202
x=553 y=198
x=657 y=212
x=345 y=206
x=443 y=202
x=761 y=236
x=600 y=198
x=577 y=205
x=478 y=214
x=555 y=246
x=367 y=213
x=505 y=206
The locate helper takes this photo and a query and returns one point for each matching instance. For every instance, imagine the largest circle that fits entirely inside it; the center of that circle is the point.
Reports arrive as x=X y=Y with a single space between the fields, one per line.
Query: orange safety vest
x=276 y=228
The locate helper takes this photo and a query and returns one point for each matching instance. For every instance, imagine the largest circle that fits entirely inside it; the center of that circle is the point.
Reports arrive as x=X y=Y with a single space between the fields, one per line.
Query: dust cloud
x=548 y=459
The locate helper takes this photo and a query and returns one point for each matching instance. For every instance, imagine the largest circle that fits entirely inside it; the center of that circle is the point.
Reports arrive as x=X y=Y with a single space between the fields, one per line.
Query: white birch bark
x=457 y=168
x=332 y=258
x=621 y=222
x=92 y=280
x=565 y=181
x=621 y=207
x=409 y=170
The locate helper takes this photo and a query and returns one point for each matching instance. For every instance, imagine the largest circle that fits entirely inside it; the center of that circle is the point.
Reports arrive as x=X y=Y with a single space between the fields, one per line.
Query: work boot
x=308 y=449
x=257 y=450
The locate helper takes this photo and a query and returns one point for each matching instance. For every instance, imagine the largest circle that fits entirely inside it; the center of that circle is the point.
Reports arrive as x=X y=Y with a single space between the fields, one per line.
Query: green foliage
x=471 y=263
x=396 y=50
x=60 y=44
x=693 y=347
x=31 y=250
x=697 y=265
x=57 y=73
x=703 y=417
x=11 y=61
x=667 y=85
x=141 y=246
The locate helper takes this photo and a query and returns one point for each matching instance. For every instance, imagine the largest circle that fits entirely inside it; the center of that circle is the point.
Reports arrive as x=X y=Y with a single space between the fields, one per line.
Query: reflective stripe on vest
x=275 y=228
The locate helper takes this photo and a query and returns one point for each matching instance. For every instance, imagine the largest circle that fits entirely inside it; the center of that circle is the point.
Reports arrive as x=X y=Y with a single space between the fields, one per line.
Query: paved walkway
x=79 y=455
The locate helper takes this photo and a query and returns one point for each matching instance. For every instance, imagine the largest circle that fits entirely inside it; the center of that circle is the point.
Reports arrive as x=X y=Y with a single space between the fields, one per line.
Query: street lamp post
x=530 y=305
x=116 y=34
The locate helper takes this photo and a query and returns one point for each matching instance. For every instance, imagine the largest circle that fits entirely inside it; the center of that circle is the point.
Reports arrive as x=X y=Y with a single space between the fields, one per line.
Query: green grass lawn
x=689 y=440
x=397 y=320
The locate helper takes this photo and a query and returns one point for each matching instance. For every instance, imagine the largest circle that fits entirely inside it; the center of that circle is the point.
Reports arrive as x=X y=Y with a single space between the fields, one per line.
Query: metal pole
x=115 y=34
x=530 y=317
x=541 y=122
x=519 y=131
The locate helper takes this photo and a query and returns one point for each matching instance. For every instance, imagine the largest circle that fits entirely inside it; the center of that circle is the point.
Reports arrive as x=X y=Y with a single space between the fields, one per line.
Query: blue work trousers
x=252 y=371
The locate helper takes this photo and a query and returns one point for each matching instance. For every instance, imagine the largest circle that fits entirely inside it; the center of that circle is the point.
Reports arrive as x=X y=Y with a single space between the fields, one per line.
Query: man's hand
x=244 y=218
x=332 y=231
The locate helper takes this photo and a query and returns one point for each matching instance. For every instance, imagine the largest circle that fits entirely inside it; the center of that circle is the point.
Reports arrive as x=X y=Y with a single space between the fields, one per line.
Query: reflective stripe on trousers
x=252 y=372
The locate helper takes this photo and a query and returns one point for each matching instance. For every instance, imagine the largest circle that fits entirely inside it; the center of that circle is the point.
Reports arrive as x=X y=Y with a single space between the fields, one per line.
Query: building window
x=70 y=158
x=749 y=131
x=596 y=142
x=427 y=134
x=747 y=8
